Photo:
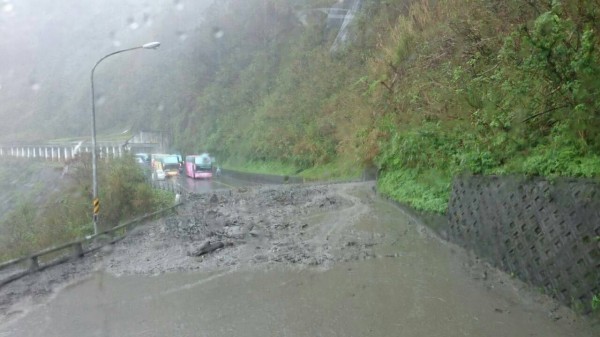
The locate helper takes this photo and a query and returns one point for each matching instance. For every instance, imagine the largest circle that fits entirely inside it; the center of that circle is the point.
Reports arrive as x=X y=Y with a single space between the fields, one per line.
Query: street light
x=96 y=202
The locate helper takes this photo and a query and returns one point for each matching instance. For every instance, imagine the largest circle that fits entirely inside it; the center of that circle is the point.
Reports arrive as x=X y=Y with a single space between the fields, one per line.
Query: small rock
x=260 y=258
x=255 y=232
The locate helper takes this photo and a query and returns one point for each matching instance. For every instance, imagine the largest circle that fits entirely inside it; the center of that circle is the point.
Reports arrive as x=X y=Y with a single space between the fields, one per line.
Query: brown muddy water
x=411 y=284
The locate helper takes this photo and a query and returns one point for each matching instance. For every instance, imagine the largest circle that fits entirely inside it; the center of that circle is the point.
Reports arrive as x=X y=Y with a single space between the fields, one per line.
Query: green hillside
x=424 y=90
x=45 y=204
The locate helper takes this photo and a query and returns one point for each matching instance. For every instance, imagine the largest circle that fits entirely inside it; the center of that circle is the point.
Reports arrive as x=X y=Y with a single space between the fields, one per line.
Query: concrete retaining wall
x=546 y=233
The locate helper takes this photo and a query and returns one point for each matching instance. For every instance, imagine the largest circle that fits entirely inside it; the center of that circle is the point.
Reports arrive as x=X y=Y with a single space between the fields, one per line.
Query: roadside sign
x=96 y=206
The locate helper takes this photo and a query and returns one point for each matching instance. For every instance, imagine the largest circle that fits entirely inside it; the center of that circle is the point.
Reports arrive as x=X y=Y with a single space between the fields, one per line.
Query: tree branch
x=544 y=112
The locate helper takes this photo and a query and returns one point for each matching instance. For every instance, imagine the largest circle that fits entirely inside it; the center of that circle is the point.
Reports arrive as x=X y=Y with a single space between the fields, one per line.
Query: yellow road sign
x=96 y=206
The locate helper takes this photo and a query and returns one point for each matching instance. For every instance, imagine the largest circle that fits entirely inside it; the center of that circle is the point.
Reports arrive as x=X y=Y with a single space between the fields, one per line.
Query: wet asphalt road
x=208 y=185
x=416 y=285
x=199 y=186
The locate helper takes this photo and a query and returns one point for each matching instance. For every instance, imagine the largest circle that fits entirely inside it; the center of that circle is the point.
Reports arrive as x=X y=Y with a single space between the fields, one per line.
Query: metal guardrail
x=50 y=257
x=168 y=185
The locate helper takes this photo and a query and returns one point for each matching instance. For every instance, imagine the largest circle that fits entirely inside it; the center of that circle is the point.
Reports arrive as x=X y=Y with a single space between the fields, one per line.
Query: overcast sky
x=47 y=49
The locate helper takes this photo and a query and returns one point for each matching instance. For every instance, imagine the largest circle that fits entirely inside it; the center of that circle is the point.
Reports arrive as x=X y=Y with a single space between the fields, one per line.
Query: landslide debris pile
x=265 y=225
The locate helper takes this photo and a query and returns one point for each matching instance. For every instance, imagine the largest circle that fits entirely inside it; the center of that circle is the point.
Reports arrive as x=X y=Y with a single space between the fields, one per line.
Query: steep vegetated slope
x=56 y=204
x=25 y=180
x=421 y=89
x=424 y=90
x=488 y=87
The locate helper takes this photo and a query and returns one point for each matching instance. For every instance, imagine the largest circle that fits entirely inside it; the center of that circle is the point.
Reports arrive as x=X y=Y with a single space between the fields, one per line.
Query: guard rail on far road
x=17 y=268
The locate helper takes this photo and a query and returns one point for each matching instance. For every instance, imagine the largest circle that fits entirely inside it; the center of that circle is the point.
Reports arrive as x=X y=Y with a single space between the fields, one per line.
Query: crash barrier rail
x=60 y=152
x=547 y=233
x=168 y=185
x=56 y=255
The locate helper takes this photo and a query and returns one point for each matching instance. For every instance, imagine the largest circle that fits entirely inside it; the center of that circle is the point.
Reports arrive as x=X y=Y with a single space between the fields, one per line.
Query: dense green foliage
x=65 y=214
x=424 y=90
x=274 y=95
x=512 y=89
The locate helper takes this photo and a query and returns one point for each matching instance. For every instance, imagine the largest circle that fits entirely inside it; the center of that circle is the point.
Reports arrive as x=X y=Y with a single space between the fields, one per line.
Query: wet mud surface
x=257 y=226
x=295 y=260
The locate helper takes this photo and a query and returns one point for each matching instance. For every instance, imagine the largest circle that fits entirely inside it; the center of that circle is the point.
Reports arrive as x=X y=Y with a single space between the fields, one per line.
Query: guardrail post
x=34 y=264
x=78 y=250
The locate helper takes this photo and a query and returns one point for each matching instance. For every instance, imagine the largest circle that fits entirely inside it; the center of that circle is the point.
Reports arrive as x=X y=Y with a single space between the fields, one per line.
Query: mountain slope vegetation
x=424 y=90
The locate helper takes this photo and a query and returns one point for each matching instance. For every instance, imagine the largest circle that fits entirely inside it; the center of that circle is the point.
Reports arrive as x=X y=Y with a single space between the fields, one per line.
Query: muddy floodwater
x=298 y=261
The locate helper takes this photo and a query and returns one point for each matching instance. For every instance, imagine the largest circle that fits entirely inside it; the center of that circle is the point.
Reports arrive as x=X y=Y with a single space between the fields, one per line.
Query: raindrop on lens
x=132 y=24
x=147 y=19
x=7 y=7
x=181 y=35
x=179 y=5
x=218 y=32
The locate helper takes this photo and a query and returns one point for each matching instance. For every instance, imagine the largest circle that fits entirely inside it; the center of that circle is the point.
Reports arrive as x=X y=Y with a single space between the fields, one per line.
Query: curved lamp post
x=96 y=202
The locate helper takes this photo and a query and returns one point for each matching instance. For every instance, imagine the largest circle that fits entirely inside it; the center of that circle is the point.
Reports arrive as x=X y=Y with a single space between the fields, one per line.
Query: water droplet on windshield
x=7 y=7
x=132 y=24
x=218 y=32
x=179 y=5
x=35 y=86
x=160 y=107
x=181 y=35
x=100 y=100
x=147 y=19
x=116 y=43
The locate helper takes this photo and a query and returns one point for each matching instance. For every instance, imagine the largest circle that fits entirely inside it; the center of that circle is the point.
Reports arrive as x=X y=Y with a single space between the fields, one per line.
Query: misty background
x=48 y=49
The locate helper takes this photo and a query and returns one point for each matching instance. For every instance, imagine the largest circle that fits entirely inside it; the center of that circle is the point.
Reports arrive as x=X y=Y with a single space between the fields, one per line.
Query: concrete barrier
x=547 y=233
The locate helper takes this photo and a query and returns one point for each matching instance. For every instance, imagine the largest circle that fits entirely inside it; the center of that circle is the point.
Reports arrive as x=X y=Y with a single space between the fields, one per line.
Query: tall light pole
x=96 y=201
